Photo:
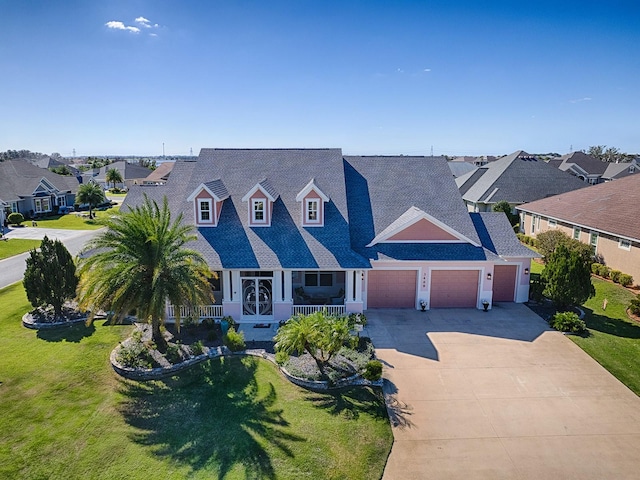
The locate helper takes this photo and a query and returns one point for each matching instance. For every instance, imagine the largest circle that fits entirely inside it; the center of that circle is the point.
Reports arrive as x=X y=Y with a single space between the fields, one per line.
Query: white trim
x=623 y=247
x=254 y=190
x=578 y=230
x=318 y=222
x=591 y=243
x=307 y=189
x=210 y=202
x=252 y=217
x=201 y=187
x=421 y=215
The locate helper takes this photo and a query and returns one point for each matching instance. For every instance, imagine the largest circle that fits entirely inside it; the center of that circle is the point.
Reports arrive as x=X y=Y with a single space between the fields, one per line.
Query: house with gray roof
x=131 y=173
x=517 y=178
x=32 y=190
x=591 y=170
x=299 y=230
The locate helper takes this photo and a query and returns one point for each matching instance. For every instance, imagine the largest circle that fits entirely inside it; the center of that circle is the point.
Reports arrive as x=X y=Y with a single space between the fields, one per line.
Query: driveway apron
x=498 y=395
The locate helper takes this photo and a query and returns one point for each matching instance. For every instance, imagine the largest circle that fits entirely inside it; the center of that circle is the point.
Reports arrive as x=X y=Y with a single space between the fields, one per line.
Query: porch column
x=287 y=286
x=226 y=286
x=359 y=274
x=236 y=293
x=277 y=286
x=349 y=285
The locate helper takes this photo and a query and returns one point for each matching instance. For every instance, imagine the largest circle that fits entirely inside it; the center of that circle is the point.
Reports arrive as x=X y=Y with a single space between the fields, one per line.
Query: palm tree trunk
x=157 y=335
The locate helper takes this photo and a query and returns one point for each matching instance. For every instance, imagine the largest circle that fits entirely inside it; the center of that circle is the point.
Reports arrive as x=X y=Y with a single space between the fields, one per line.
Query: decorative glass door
x=257 y=297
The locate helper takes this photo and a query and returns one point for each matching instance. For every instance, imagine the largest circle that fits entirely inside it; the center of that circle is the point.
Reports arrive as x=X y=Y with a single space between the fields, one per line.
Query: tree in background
x=114 y=176
x=50 y=277
x=91 y=194
x=568 y=278
x=608 y=154
x=141 y=264
x=504 y=206
x=62 y=170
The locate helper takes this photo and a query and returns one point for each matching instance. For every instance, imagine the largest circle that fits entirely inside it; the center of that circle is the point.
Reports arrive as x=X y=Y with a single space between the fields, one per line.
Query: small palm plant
x=141 y=263
x=92 y=194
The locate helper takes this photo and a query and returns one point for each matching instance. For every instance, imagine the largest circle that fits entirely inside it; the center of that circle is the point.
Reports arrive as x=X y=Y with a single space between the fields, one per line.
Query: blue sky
x=371 y=77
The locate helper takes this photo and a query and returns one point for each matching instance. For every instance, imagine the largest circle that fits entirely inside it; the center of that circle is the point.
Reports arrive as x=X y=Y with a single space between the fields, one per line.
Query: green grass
x=116 y=195
x=614 y=340
x=536 y=267
x=65 y=414
x=71 y=221
x=15 y=246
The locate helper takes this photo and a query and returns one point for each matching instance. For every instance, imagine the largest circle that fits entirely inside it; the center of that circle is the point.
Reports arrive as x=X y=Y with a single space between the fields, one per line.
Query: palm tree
x=92 y=194
x=141 y=263
x=114 y=176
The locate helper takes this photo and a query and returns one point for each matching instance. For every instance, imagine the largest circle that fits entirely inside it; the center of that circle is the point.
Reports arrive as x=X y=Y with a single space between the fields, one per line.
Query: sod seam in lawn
x=65 y=414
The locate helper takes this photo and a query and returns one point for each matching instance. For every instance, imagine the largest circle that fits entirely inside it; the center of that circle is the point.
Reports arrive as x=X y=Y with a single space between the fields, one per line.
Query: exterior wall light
x=526 y=271
x=488 y=276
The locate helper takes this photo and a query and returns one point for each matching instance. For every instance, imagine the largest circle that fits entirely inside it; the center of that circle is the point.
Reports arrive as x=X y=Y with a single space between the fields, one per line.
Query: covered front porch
x=264 y=296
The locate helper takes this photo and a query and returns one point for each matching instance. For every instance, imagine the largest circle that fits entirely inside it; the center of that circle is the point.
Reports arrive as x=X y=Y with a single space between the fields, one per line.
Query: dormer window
x=207 y=202
x=313 y=208
x=313 y=201
x=260 y=201
x=204 y=211
x=258 y=207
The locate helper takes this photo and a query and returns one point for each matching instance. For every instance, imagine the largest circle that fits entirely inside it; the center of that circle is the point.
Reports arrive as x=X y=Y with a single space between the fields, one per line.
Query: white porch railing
x=202 y=312
x=308 y=309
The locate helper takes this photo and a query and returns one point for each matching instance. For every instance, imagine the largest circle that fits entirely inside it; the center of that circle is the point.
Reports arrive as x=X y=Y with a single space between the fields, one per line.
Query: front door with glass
x=257 y=298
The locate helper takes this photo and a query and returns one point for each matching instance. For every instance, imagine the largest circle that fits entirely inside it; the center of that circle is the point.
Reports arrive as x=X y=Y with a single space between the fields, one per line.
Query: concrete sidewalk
x=498 y=395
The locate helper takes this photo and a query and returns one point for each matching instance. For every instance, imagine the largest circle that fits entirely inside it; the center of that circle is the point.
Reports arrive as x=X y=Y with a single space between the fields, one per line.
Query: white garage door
x=391 y=289
x=454 y=288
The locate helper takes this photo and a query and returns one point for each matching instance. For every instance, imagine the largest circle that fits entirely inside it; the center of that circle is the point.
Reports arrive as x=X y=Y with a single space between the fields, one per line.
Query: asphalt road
x=12 y=269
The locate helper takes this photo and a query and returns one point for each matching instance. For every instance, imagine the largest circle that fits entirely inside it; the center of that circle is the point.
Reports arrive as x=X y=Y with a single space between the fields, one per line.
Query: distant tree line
x=609 y=154
x=13 y=154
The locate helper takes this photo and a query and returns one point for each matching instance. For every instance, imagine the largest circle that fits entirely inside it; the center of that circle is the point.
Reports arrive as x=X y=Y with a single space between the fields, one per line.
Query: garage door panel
x=504 y=283
x=391 y=289
x=454 y=288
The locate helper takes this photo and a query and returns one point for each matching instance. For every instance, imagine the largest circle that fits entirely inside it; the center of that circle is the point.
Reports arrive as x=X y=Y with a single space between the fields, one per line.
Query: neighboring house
x=300 y=230
x=460 y=168
x=616 y=171
x=587 y=168
x=604 y=216
x=160 y=175
x=475 y=161
x=132 y=174
x=517 y=178
x=32 y=190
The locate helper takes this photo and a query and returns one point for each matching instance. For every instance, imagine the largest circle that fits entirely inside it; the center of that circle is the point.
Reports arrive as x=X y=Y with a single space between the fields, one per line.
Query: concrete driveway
x=498 y=395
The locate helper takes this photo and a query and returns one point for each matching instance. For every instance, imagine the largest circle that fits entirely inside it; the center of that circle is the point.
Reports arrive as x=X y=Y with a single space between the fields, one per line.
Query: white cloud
x=121 y=26
x=143 y=22
x=578 y=100
x=426 y=70
x=153 y=34
x=400 y=70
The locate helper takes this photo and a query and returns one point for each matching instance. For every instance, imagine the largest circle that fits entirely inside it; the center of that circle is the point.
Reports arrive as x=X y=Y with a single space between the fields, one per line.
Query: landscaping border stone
x=28 y=322
x=159 y=373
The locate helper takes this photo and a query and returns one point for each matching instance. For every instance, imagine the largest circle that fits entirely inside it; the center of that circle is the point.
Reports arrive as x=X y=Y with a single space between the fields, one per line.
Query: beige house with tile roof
x=605 y=216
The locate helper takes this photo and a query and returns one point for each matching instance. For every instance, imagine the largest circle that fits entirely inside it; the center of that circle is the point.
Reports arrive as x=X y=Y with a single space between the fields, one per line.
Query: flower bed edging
x=27 y=321
x=163 y=372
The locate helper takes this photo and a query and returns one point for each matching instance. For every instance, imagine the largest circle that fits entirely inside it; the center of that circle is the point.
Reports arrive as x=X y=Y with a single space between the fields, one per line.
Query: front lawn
x=15 y=246
x=614 y=340
x=74 y=220
x=65 y=414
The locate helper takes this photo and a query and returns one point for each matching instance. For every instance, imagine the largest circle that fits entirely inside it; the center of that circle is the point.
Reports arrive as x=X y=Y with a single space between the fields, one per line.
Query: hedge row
x=526 y=239
x=615 y=275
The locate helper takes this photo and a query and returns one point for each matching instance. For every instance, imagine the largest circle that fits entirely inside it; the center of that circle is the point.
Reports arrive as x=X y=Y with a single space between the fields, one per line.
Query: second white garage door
x=391 y=289
x=454 y=288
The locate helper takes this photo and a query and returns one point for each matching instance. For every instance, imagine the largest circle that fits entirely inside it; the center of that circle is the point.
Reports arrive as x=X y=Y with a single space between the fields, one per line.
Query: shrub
x=174 y=354
x=373 y=370
x=15 y=218
x=568 y=277
x=595 y=268
x=209 y=323
x=625 y=279
x=135 y=355
x=615 y=276
x=634 y=306
x=568 y=322
x=604 y=271
x=212 y=335
x=197 y=348
x=234 y=340
x=281 y=357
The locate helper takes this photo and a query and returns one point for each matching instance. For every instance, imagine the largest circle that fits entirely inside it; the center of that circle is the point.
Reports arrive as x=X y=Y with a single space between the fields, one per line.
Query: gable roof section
x=215 y=188
x=620 y=170
x=265 y=187
x=161 y=173
x=434 y=231
x=381 y=189
x=496 y=235
x=516 y=178
x=587 y=163
x=610 y=207
x=128 y=171
x=307 y=189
